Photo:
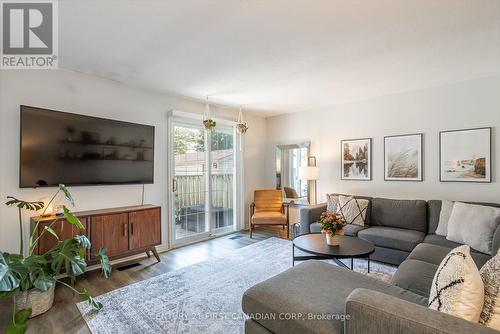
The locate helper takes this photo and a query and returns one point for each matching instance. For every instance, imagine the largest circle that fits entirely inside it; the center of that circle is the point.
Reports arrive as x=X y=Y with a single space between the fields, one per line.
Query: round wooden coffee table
x=315 y=245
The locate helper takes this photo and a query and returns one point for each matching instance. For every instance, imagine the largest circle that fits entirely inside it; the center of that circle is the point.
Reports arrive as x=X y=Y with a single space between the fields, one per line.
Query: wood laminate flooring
x=64 y=316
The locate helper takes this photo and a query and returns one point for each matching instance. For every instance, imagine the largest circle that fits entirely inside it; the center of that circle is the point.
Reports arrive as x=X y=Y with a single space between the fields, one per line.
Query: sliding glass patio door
x=203 y=181
x=222 y=176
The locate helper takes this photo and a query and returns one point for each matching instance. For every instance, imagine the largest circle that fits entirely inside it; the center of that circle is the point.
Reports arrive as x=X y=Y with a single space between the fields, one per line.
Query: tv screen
x=60 y=147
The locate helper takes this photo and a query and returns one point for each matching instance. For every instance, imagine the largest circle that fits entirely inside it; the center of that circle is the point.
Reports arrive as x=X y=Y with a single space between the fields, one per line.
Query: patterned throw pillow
x=353 y=210
x=457 y=287
x=332 y=203
x=490 y=273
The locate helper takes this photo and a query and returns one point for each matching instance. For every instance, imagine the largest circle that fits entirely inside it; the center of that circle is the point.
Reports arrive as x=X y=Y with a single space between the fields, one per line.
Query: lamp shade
x=309 y=173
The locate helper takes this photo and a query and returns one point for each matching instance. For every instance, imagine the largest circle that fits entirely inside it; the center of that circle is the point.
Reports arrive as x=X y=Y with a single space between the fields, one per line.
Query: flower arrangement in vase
x=332 y=225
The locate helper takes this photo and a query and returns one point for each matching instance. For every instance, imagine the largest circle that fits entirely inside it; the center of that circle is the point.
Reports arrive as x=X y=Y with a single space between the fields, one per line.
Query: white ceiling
x=278 y=56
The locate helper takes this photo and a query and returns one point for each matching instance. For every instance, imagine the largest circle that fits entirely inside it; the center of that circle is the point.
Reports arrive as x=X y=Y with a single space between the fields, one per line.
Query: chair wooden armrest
x=252 y=211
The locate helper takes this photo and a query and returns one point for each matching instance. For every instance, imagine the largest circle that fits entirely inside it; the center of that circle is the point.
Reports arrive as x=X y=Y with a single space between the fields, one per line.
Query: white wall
x=467 y=104
x=79 y=93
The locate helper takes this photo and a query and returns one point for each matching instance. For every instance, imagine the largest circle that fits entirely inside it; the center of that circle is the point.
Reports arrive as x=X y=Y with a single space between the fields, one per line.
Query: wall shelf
x=105 y=145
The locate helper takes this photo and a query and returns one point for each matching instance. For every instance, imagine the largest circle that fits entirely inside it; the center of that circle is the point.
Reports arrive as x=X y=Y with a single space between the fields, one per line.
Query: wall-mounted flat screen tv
x=60 y=147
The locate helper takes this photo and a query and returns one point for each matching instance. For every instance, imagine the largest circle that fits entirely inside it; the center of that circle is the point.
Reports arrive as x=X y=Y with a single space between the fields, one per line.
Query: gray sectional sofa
x=315 y=297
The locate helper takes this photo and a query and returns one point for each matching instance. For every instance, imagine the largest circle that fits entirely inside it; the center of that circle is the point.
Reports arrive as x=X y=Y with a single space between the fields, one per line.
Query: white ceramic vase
x=334 y=240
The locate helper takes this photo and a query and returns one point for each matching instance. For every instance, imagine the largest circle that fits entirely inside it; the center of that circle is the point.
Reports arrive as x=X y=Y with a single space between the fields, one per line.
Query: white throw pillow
x=490 y=273
x=332 y=203
x=457 y=287
x=353 y=210
x=473 y=225
x=444 y=217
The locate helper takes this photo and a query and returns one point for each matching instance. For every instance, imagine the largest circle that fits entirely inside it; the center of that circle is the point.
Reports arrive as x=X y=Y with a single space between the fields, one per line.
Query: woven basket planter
x=38 y=301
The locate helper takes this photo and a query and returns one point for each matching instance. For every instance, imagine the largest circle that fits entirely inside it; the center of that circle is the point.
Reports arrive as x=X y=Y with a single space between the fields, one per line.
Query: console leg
x=147 y=253
x=368 y=264
x=155 y=253
x=352 y=263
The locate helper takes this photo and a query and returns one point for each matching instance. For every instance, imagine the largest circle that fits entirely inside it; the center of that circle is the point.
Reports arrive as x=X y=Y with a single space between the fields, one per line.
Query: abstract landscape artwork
x=403 y=158
x=465 y=155
x=356 y=159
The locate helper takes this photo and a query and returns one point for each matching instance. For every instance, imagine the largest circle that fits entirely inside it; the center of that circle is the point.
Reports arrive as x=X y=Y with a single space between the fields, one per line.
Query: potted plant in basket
x=30 y=279
x=332 y=225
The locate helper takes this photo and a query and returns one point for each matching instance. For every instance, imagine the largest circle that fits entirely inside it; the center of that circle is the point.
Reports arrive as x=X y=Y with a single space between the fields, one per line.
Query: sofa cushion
x=415 y=276
x=434 y=254
x=433 y=213
x=490 y=273
x=312 y=287
x=440 y=241
x=444 y=217
x=458 y=288
x=369 y=209
x=407 y=214
x=332 y=203
x=268 y=218
x=353 y=210
x=389 y=255
x=350 y=230
x=392 y=237
x=474 y=225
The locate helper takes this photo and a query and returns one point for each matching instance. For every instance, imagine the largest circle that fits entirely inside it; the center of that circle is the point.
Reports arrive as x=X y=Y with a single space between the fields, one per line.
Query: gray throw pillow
x=444 y=217
x=473 y=225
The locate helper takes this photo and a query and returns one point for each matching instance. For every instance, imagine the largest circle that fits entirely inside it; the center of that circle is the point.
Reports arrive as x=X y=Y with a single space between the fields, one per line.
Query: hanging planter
x=242 y=128
x=208 y=122
x=241 y=125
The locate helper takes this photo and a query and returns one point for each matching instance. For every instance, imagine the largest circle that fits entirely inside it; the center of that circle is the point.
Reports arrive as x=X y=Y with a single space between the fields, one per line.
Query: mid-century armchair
x=268 y=209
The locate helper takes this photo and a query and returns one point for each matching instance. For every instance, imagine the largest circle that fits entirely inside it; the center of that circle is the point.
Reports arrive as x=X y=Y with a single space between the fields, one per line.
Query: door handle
x=174 y=185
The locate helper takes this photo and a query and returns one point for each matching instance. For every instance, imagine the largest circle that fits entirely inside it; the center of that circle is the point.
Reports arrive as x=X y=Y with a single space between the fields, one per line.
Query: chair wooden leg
x=288 y=231
x=251 y=230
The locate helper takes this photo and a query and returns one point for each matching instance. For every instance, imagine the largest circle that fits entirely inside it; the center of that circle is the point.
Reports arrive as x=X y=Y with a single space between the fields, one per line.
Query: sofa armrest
x=375 y=312
x=310 y=215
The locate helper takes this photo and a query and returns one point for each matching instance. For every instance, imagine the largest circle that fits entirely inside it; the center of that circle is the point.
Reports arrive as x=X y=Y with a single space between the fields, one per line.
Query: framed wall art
x=356 y=159
x=403 y=157
x=465 y=155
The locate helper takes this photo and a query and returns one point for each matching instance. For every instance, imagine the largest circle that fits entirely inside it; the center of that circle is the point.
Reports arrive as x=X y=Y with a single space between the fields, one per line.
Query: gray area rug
x=201 y=298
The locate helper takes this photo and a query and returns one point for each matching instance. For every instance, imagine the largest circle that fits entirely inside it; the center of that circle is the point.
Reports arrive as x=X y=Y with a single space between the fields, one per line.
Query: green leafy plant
x=25 y=271
x=209 y=124
x=242 y=127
